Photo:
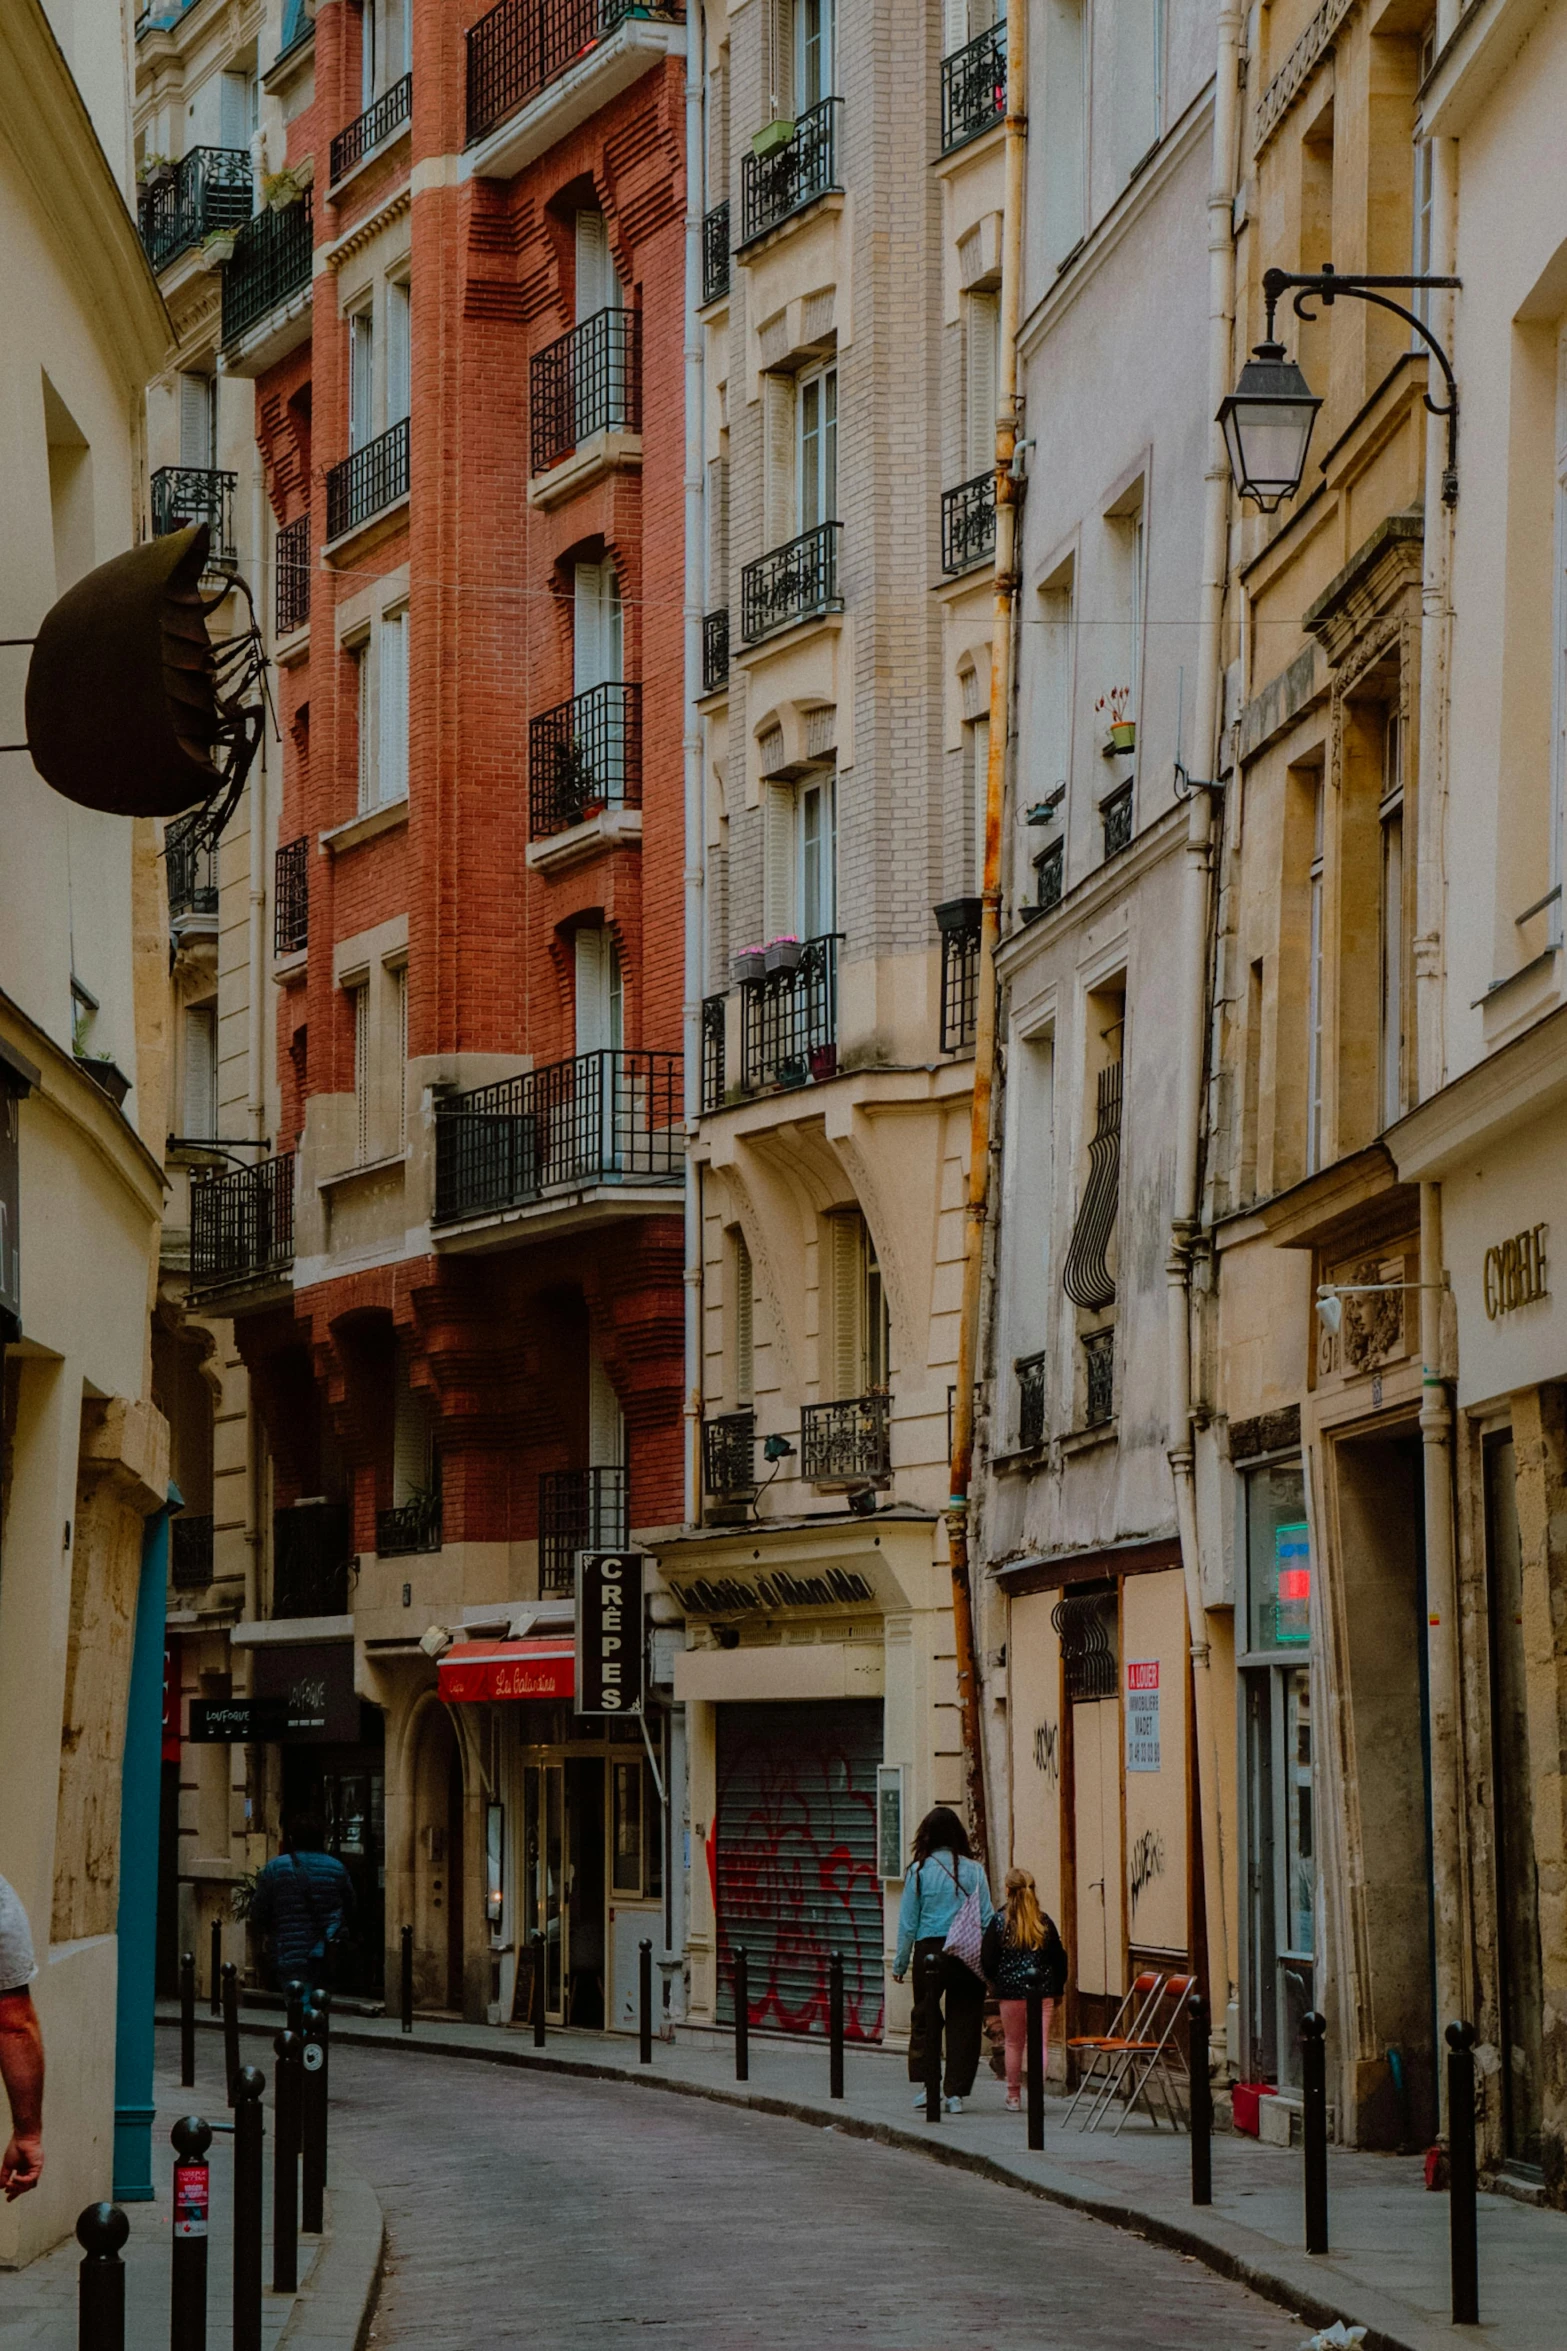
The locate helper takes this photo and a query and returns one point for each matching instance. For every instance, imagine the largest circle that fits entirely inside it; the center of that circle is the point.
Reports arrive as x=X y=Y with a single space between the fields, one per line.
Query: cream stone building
x=84 y=1452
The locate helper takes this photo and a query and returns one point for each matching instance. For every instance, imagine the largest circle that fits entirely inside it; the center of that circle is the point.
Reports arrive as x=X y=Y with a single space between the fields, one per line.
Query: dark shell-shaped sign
x=122 y=707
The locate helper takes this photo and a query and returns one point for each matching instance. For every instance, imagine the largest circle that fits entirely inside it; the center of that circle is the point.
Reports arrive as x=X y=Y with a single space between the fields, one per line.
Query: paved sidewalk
x=339 y=2271
x=1388 y=2270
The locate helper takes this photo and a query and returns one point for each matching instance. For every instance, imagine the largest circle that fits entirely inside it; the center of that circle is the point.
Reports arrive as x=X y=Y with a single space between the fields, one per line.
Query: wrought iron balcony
x=580 y=1510
x=793 y=175
x=378 y=121
x=190 y=1551
x=1116 y=814
x=191 y=866
x=1030 y=1371
x=585 y=755
x=790 y=584
x=293 y=574
x=291 y=897
x=312 y=1551
x=587 y=382
x=974 y=88
x=368 y=482
x=523 y=45
x=272 y=260
x=183 y=494
x=789 y=1020
x=713 y=1052
x=409 y=1527
x=729 y=1454
x=959 y=922
x=968 y=524
x=1050 y=866
x=1099 y=1365
x=242 y=1223
x=600 y=1118
x=844 y=1442
x=211 y=189
x=715 y=650
x=715 y=253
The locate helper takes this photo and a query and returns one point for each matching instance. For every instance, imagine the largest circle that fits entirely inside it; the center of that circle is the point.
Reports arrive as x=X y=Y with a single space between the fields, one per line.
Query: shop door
x=1096 y=1760
x=796 y=1862
x=544 y=1877
x=1517 y=1885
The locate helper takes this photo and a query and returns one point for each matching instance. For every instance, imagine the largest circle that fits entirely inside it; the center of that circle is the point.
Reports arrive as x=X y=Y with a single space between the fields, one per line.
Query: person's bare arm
x=22 y=2071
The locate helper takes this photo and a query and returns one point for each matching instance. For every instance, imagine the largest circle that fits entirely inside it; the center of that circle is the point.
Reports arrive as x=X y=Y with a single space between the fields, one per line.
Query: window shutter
x=780 y=57
x=954 y=25
x=410 y=1441
x=197 y=419
x=369 y=45
x=778 y=860
x=234 y=110
x=597 y=645
x=745 y=1316
x=361 y=1074
x=592 y=989
x=717 y=532
x=397 y=352
x=846 y=1277
x=979 y=735
x=778 y=396
x=598 y=288
x=400 y=994
x=983 y=329
x=201 y=1069
x=606 y=1422
x=361 y=661
x=361 y=377
x=392 y=776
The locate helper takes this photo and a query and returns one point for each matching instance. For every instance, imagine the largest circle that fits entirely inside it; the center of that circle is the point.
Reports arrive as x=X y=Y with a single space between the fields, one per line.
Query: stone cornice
x=364 y=232
x=1370 y=584
x=1520 y=1084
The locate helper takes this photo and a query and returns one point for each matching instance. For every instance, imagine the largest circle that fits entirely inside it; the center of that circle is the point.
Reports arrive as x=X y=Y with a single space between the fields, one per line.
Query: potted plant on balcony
x=748 y=963
x=217 y=248
x=784 y=952
x=771 y=138
x=1123 y=730
x=824 y=1063
x=157 y=171
x=280 y=189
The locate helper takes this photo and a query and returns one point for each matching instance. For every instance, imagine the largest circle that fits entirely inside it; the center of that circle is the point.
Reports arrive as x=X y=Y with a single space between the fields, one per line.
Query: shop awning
x=508 y=1669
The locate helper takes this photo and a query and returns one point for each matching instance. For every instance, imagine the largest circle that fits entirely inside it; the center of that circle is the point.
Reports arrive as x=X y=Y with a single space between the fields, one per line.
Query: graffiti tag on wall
x=1146 y=1863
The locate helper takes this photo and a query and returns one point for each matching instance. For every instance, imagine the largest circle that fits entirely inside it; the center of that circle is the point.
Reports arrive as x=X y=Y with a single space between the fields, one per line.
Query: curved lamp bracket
x=1327 y=284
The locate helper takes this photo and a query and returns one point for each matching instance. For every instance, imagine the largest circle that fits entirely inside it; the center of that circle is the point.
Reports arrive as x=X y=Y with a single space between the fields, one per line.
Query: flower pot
x=217 y=253
x=771 y=138
x=749 y=964
x=160 y=175
x=824 y=1062
x=783 y=954
x=1123 y=735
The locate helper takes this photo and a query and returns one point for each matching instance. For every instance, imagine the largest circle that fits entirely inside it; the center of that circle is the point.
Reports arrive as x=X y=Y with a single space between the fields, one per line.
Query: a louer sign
x=610 y=1648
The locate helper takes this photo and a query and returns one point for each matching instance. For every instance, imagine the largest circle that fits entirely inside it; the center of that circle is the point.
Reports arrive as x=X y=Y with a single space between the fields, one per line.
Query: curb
x=337 y=2298
x=1298 y=2296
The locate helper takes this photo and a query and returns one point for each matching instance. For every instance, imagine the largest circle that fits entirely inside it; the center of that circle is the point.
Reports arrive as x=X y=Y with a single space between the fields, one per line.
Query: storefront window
x=627 y=1829
x=1278 y=1550
x=1299 y=1841
x=1279 y=1816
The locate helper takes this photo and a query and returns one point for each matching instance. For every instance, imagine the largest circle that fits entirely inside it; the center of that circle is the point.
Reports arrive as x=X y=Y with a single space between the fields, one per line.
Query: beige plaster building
x=84 y=1454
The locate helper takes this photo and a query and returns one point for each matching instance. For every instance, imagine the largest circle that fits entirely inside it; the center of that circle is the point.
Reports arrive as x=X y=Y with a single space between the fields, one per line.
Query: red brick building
x=466 y=1353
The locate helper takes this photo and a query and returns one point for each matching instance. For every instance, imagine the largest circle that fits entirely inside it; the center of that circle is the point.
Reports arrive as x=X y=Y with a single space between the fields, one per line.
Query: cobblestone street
x=526 y=2209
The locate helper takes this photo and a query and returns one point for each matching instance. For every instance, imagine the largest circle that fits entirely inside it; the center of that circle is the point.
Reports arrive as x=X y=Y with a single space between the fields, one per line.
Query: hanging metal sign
x=610 y=1651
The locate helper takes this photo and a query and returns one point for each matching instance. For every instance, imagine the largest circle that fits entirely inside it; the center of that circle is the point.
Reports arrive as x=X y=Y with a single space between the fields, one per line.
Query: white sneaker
x=954 y=2106
x=919 y=2097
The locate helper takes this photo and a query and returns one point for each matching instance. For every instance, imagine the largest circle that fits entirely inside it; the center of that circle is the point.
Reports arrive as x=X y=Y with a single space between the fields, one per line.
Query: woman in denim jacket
x=942 y=1875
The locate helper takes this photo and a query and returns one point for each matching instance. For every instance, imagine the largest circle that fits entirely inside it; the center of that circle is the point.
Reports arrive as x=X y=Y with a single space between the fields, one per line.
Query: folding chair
x=1129 y=2023
x=1152 y=2059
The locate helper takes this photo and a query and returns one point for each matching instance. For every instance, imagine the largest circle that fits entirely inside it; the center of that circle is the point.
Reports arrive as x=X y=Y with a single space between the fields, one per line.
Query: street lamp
x=1267 y=419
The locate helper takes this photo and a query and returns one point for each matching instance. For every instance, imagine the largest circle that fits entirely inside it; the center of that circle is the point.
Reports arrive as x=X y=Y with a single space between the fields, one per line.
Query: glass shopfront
x=1279 y=1773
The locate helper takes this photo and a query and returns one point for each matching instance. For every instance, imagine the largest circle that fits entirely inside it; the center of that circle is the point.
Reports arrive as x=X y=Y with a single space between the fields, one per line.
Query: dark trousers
x=961 y=1998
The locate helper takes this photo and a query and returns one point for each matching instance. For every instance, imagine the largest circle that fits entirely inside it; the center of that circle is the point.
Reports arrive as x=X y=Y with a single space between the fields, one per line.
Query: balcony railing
x=190 y=1552
x=183 y=494
x=959 y=922
x=524 y=44
x=968 y=523
x=729 y=1454
x=715 y=253
x=793 y=175
x=1030 y=1371
x=579 y=1510
x=366 y=132
x=790 y=584
x=272 y=260
x=1116 y=813
x=1050 y=866
x=293 y=574
x=369 y=481
x=585 y=755
x=601 y=1118
x=211 y=189
x=312 y=1550
x=846 y=1441
x=410 y=1526
x=973 y=88
x=588 y=381
x=191 y=865
x=789 y=1020
x=715 y=650
x=713 y=1052
x=242 y=1223
x=1099 y=1364
x=291 y=897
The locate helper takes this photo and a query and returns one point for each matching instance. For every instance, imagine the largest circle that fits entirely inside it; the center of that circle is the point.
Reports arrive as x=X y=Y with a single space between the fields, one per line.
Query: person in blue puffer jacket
x=942 y=1875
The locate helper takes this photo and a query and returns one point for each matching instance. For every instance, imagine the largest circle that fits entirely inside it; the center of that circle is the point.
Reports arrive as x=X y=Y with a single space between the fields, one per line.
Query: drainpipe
x=258 y=845
x=1008 y=496
x=1453 y=1989
x=691 y=1017
x=1192 y=1028
x=136 y=1921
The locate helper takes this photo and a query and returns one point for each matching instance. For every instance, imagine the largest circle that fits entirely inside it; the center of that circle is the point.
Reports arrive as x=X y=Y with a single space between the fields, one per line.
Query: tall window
x=1392 y=925
x=817 y=469
x=813 y=32
x=1420 y=242
x=361 y=377
x=597 y=631
x=385 y=46
x=1315 y=992
x=981 y=346
x=599 y=991
x=398 y=350
x=364 y=705
x=857 y=1309
x=816 y=832
x=238 y=108
x=392 y=764
x=200 y=1116
x=745 y=1322
x=399 y=980
x=198 y=420
x=598 y=286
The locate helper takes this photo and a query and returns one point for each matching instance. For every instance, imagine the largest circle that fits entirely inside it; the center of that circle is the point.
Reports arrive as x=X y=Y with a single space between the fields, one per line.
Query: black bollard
x=1314 y=2085
x=1201 y=2094
x=1464 y=2239
x=312 y=2124
x=742 y=2017
x=188 y=2021
x=100 y=2282
x=324 y=2031
x=230 y=2024
x=216 y=1984
x=538 y=1992
x=285 y=2165
x=247 y=2083
x=645 y=2000
x=408 y=1979
x=1036 y=2069
x=932 y=1995
x=835 y=2025
x=295 y=1993
x=188 y=2259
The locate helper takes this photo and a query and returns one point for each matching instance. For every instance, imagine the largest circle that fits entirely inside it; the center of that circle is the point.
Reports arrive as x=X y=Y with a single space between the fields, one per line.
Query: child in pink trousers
x=1022 y=1953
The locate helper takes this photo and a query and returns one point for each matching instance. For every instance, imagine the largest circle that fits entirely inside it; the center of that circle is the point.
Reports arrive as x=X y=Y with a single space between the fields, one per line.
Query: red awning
x=508 y=1669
